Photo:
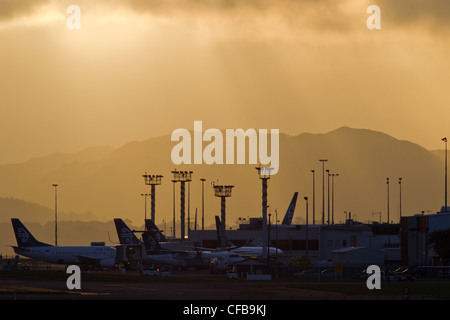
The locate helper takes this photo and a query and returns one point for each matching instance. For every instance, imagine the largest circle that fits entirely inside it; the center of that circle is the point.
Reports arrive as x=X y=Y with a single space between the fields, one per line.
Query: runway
x=208 y=290
x=187 y=286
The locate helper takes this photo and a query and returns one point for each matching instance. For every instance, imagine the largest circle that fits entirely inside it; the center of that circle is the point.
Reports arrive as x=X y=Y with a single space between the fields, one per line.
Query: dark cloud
x=401 y=12
x=10 y=9
x=322 y=13
x=316 y=14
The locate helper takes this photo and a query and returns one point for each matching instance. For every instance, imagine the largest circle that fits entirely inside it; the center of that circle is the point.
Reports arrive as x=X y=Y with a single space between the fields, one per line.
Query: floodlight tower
x=182 y=177
x=445 y=140
x=264 y=175
x=56 y=213
x=223 y=192
x=153 y=181
x=323 y=189
x=332 y=196
x=203 y=202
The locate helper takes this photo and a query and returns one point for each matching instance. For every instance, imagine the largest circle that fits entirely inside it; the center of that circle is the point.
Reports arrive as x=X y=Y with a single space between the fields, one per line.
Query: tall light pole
x=445 y=140
x=268 y=237
x=323 y=189
x=387 y=182
x=223 y=192
x=56 y=213
x=306 y=244
x=328 y=204
x=145 y=195
x=182 y=177
x=189 y=207
x=264 y=175
x=332 y=196
x=314 y=197
x=173 y=196
x=276 y=241
x=203 y=202
x=153 y=181
x=400 y=184
x=195 y=221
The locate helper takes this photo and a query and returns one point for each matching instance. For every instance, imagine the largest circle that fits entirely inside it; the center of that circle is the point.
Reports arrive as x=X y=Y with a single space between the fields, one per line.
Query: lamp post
x=153 y=181
x=173 y=200
x=400 y=210
x=332 y=196
x=445 y=140
x=264 y=175
x=56 y=213
x=182 y=177
x=195 y=221
x=189 y=207
x=268 y=237
x=276 y=241
x=328 y=204
x=223 y=191
x=306 y=244
x=314 y=197
x=145 y=195
x=323 y=189
x=387 y=182
x=203 y=202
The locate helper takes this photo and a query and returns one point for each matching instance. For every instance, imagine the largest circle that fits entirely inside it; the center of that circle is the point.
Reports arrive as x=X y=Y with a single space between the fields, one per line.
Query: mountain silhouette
x=108 y=182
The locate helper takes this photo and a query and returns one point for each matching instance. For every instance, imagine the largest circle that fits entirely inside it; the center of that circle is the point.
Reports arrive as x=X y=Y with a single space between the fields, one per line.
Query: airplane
x=243 y=250
x=257 y=250
x=28 y=246
x=200 y=258
x=153 y=253
x=290 y=211
x=150 y=256
x=151 y=226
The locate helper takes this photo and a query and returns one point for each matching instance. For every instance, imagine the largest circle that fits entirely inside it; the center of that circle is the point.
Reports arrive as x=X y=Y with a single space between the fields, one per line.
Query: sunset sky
x=138 y=69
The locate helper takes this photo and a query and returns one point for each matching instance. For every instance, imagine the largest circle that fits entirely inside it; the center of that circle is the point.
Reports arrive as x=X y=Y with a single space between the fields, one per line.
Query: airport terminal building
x=351 y=244
x=414 y=234
x=319 y=243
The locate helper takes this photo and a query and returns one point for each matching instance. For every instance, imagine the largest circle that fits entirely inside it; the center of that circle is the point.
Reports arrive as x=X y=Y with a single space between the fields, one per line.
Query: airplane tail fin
x=219 y=229
x=126 y=236
x=220 y=235
x=290 y=211
x=24 y=237
x=151 y=226
x=151 y=242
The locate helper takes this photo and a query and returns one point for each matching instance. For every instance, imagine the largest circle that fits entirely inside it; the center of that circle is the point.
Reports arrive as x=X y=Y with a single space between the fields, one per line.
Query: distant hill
x=33 y=212
x=108 y=181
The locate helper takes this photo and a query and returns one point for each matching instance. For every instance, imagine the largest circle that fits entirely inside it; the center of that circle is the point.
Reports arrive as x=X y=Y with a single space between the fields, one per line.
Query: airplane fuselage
x=80 y=255
x=191 y=259
x=249 y=250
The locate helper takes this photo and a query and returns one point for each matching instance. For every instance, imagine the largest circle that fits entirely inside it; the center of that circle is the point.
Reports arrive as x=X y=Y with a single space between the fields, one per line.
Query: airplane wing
x=20 y=250
x=88 y=260
x=185 y=255
x=181 y=254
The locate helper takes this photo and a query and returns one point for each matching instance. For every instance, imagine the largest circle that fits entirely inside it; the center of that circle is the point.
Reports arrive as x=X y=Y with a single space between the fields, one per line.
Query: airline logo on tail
x=151 y=226
x=125 y=236
x=23 y=235
x=150 y=242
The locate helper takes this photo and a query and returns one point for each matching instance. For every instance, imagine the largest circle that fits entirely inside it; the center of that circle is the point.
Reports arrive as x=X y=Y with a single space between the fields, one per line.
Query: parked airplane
x=200 y=258
x=151 y=226
x=243 y=250
x=152 y=253
x=28 y=246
